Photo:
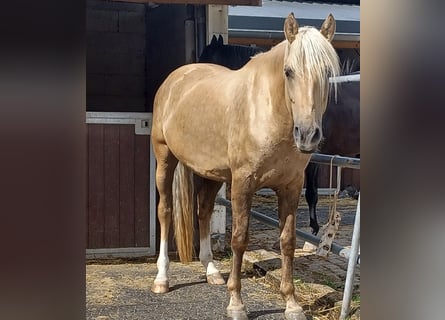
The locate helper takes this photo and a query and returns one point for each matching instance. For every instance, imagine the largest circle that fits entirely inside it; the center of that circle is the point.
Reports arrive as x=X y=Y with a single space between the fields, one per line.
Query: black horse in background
x=341 y=121
x=230 y=56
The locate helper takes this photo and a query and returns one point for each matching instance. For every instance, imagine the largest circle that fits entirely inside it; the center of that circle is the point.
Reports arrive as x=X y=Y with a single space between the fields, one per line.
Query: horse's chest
x=281 y=165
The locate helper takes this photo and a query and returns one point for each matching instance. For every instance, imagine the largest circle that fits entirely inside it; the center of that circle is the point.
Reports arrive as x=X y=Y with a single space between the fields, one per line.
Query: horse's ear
x=214 y=41
x=290 y=27
x=220 y=40
x=328 y=27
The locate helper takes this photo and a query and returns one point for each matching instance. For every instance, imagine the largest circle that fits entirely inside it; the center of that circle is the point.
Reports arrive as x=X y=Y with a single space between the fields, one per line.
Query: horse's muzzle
x=307 y=139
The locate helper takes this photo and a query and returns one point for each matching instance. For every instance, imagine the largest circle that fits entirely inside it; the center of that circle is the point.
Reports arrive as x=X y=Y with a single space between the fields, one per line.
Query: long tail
x=183 y=211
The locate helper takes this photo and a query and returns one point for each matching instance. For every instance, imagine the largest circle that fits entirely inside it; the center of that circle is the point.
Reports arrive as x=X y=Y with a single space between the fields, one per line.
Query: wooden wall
x=349 y=177
x=118 y=187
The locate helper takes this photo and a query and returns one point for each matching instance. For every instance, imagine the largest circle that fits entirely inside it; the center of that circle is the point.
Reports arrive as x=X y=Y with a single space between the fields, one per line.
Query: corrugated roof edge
x=353 y=2
x=251 y=25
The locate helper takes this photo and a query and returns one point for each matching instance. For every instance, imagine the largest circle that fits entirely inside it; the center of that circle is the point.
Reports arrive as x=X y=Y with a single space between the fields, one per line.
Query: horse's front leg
x=287 y=205
x=241 y=202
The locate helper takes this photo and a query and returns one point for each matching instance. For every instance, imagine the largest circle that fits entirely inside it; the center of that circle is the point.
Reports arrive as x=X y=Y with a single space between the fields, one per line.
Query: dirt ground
x=121 y=289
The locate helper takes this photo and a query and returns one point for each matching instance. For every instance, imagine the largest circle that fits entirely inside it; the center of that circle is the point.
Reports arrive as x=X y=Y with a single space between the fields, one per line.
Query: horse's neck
x=265 y=73
x=269 y=65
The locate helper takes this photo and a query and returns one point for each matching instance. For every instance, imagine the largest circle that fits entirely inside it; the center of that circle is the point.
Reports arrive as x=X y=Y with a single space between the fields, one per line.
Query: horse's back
x=188 y=76
x=186 y=87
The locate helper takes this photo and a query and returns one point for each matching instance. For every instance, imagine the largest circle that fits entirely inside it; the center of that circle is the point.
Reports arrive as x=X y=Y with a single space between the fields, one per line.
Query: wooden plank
x=113 y=253
x=95 y=186
x=141 y=190
x=126 y=186
x=222 y=2
x=346 y=178
x=262 y=42
x=324 y=173
x=350 y=177
x=356 y=179
x=343 y=44
x=268 y=42
x=111 y=182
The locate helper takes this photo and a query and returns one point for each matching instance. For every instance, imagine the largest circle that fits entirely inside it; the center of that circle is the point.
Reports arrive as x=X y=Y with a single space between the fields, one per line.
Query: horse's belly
x=205 y=154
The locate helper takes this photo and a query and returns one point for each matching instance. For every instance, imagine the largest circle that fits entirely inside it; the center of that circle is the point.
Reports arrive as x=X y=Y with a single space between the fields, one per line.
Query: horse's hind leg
x=287 y=205
x=206 y=199
x=166 y=164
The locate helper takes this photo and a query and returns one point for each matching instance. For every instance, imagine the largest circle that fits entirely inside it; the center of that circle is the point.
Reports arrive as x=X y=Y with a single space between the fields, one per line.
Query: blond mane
x=312 y=56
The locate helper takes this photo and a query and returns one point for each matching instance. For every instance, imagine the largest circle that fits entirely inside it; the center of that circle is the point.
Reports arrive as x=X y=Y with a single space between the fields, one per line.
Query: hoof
x=315 y=227
x=240 y=314
x=315 y=230
x=294 y=315
x=160 y=287
x=215 y=278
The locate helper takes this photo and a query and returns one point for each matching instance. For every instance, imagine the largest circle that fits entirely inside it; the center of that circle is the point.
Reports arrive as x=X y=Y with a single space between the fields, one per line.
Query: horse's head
x=309 y=61
x=213 y=52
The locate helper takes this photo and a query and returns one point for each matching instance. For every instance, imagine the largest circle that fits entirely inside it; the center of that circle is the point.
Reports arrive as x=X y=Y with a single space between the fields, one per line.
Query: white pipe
x=349 y=283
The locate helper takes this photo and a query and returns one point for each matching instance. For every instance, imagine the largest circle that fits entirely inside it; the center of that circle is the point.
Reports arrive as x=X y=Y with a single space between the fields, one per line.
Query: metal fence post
x=349 y=283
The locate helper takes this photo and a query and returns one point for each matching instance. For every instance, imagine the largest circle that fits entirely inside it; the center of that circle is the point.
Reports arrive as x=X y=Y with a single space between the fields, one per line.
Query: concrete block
x=102 y=20
x=132 y=21
x=261 y=260
x=125 y=85
x=110 y=103
x=95 y=61
x=101 y=62
x=95 y=84
x=309 y=247
x=125 y=63
x=115 y=42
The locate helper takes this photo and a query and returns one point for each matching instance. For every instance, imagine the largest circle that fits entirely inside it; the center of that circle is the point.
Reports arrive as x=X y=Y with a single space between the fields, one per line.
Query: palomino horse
x=341 y=121
x=253 y=127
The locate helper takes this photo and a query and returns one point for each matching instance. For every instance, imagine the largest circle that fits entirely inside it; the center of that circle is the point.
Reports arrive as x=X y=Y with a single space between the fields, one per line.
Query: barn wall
x=166 y=39
x=131 y=48
x=118 y=187
x=349 y=177
x=116 y=56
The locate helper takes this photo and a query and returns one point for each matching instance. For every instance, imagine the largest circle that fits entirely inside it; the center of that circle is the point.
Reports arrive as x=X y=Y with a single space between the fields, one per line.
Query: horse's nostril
x=296 y=130
x=317 y=134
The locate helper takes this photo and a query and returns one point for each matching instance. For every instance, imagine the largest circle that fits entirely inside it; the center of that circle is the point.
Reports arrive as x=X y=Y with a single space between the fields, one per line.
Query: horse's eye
x=288 y=72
